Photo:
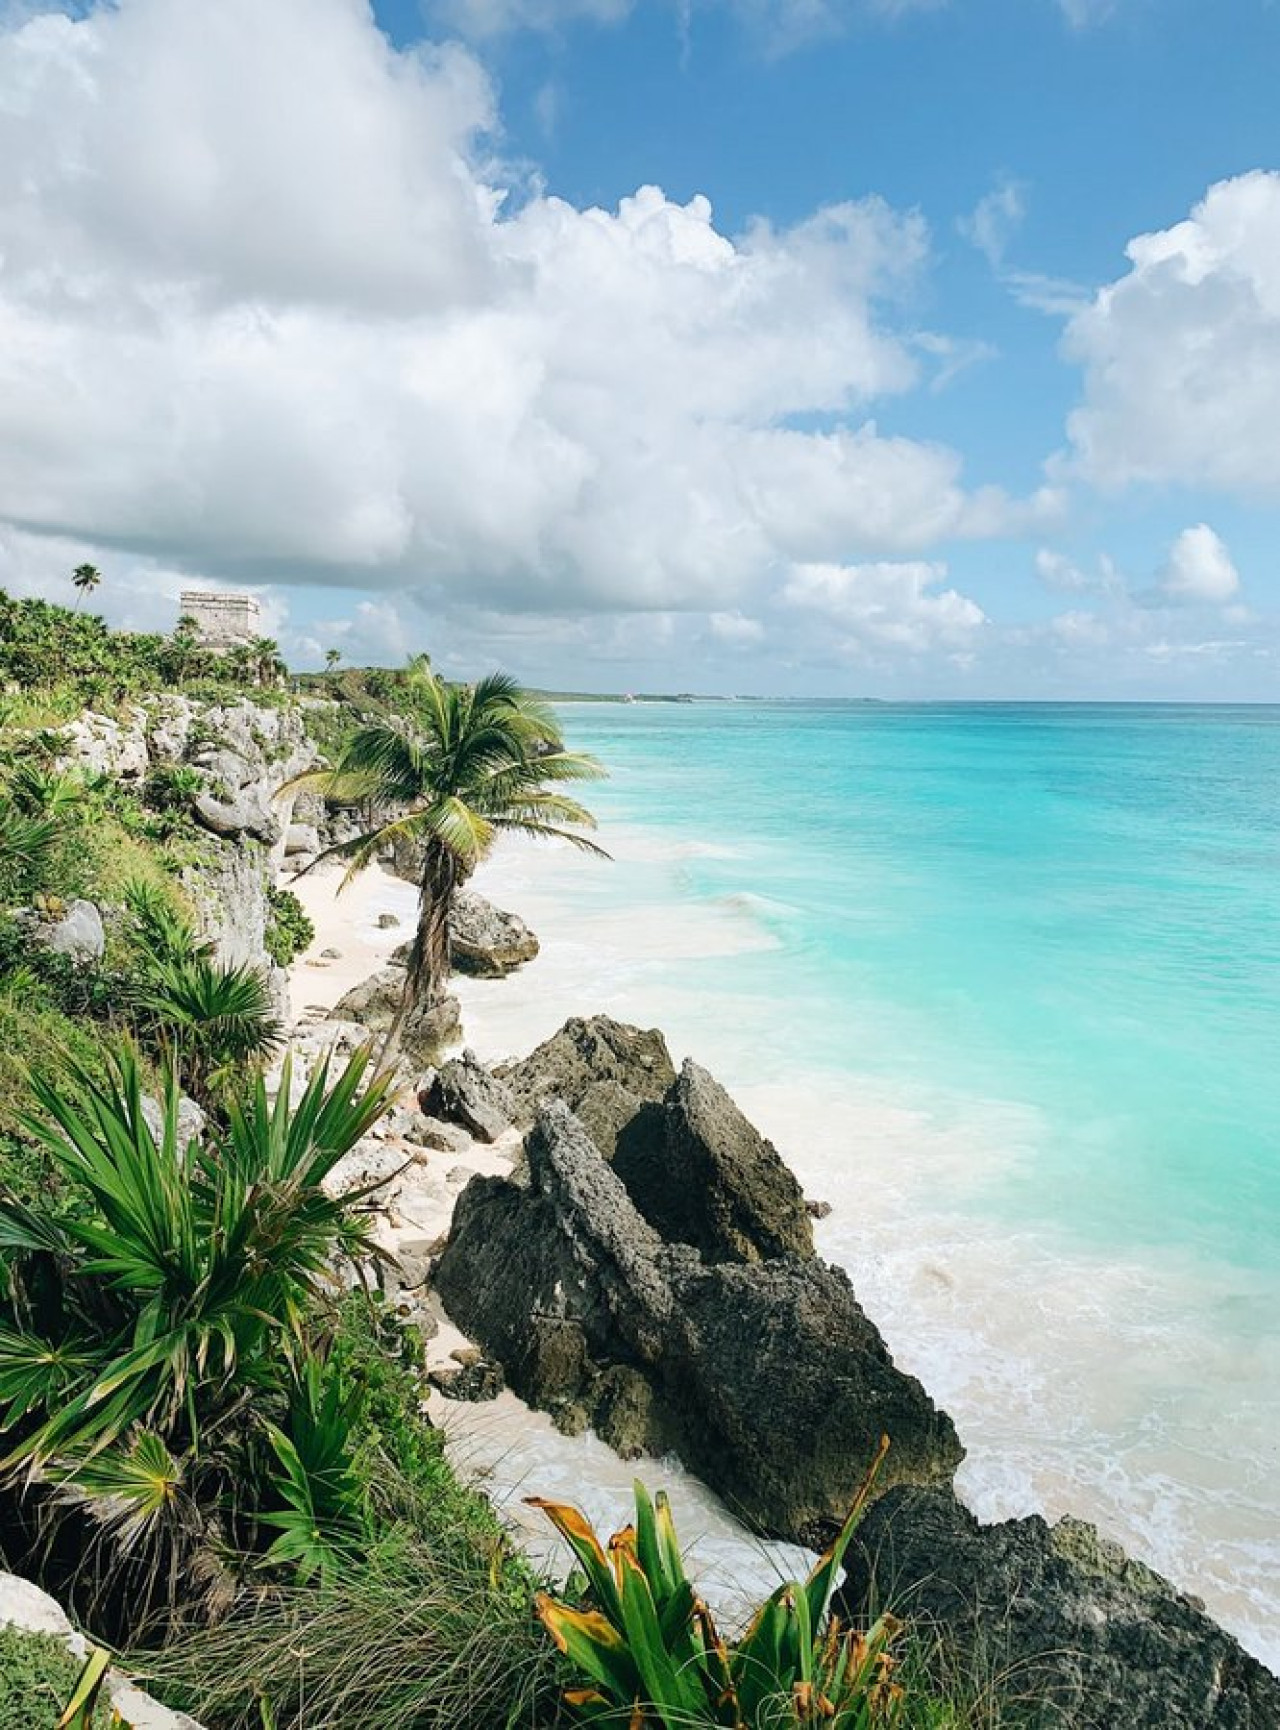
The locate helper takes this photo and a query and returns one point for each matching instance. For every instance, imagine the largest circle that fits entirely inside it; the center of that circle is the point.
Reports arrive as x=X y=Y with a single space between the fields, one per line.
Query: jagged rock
x=712 y=1180
x=105 y=746
x=464 y=1092
x=228 y=888
x=331 y=954
x=818 y=1209
x=475 y=1382
x=246 y=812
x=467 y=1356
x=301 y=838
x=767 y=1379
x=1087 y=1636
x=431 y=1132
x=169 y=721
x=375 y=1001
x=370 y=1162
x=387 y=921
x=191 y=1119
x=78 y=932
x=484 y=940
x=584 y=1054
x=429 y=1030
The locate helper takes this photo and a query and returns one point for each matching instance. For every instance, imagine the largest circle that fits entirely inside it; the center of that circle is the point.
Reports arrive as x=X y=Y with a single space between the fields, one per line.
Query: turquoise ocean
x=1003 y=983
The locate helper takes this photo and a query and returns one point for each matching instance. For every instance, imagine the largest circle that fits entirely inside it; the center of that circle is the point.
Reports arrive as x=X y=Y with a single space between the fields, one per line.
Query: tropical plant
x=85 y=579
x=268 y=664
x=79 y=1713
x=157 y=1327
x=652 y=1656
x=490 y=760
x=212 y=1020
x=331 y=659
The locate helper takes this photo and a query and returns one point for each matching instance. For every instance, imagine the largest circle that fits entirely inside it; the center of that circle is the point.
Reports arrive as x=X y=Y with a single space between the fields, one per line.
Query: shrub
x=37 y=1677
x=289 y=929
x=157 y=1330
x=651 y=1655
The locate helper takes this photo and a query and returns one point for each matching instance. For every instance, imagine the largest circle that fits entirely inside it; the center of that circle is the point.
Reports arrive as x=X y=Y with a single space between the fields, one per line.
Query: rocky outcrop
x=485 y=941
x=768 y=1379
x=1066 y=1624
x=587 y=1051
x=77 y=931
x=463 y=1092
x=703 y=1175
x=696 y=1169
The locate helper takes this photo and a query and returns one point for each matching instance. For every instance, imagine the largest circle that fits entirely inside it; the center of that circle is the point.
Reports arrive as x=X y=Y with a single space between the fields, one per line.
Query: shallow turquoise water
x=1003 y=982
x=1073 y=907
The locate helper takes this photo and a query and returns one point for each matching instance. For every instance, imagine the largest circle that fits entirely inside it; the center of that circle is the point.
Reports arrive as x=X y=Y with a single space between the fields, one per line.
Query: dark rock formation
x=474 y=1382
x=767 y=1378
x=584 y=1055
x=484 y=940
x=464 y=1092
x=1069 y=1627
x=428 y=1030
x=711 y=1180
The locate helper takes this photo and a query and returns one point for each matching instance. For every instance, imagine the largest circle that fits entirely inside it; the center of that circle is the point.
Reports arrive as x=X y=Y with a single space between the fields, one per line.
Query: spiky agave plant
x=153 y=1327
x=652 y=1656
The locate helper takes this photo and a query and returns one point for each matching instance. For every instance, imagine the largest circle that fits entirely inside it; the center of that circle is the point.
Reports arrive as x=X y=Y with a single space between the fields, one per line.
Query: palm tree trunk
x=427 y=974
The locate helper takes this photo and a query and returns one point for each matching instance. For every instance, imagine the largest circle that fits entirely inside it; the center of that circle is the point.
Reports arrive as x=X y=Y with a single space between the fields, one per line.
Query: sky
x=901 y=348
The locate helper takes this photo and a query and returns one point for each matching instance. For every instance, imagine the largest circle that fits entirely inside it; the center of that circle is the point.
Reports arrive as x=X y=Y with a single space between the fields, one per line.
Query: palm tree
x=331 y=659
x=490 y=760
x=269 y=667
x=85 y=579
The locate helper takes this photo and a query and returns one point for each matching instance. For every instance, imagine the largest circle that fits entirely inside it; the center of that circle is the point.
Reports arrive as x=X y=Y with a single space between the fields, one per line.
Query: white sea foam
x=1130 y=1391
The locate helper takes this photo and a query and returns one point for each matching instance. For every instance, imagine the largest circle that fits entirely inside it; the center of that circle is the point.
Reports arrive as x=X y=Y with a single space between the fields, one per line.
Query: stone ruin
x=222 y=620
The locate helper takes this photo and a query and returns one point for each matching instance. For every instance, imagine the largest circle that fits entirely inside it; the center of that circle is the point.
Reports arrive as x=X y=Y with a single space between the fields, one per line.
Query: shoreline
x=927 y=1275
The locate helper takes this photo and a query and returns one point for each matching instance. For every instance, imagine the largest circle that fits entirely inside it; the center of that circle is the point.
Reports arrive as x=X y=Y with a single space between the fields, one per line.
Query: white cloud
x=995 y=219
x=886 y=605
x=265 y=315
x=735 y=629
x=1199 y=570
x=1182 y=355
x=1058 y=572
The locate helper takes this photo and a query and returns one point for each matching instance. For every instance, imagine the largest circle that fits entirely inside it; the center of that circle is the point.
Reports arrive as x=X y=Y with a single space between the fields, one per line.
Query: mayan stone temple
x=222 y=620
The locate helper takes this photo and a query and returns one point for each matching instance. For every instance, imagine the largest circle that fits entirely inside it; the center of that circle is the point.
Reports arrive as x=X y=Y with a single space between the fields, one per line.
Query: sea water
x=1003 y=984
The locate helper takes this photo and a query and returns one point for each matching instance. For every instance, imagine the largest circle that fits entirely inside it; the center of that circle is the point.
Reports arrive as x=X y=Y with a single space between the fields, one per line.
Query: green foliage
x=320 y=1526
x=78 y=660
x=651 y=1654
x=289 y=929
x=160 y=1326
x=38 y=1676
x=80 y=1709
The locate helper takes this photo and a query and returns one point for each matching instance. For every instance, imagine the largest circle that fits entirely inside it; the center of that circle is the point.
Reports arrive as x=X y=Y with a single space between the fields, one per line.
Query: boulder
x=464 y=1092
x=244 y=812
x=430 y=1029
x=1087 y=1636
x=585 y=1053
x=105 y=746
x=301 y=838
x=484 y=940
x=77 y=932
x=712 y=1180
x=387 y=921
x=765 y=1377
x=475 y=1382
x=376 y=1001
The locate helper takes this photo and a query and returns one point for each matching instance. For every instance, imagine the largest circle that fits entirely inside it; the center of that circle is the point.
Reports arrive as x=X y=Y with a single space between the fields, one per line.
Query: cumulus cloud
x=270 y=311
x=1181 y=356
x=1199 y=570
x=886 y=605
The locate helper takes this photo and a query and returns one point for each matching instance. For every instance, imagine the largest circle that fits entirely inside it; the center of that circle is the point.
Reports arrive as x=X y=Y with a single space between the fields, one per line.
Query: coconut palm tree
x=85 y=579
x=490 y=760
x=268 y=663
x=331 y=659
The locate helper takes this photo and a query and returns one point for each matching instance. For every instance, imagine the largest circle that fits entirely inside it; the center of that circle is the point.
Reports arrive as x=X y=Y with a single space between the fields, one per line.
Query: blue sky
x=368 y=312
